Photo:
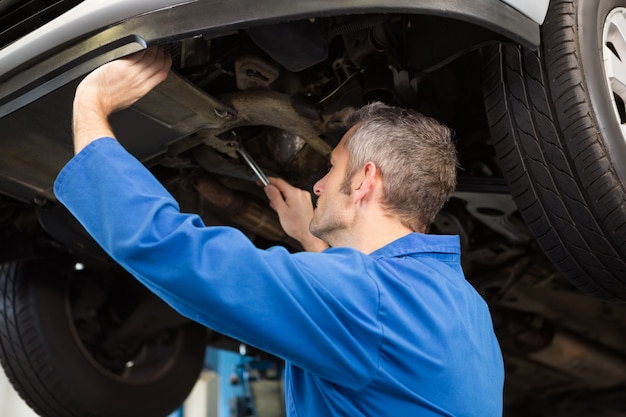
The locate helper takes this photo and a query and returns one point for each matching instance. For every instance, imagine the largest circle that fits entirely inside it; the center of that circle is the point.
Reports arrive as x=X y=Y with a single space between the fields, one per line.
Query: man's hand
x=295 y=211
x=112 y=87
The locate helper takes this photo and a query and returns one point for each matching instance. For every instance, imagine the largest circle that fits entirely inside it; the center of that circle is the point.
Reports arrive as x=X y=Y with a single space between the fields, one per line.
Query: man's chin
x=315 y=230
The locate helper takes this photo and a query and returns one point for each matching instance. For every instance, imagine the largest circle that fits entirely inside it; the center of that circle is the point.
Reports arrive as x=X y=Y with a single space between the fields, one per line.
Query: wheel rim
x=614 y=57
x=138 y=364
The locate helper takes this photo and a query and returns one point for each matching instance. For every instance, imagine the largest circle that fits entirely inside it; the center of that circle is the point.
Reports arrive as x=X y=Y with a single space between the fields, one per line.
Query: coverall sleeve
x=318 y=311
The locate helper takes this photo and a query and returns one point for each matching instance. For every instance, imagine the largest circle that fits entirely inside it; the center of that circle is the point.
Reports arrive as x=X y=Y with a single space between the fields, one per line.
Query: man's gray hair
x=416 y=158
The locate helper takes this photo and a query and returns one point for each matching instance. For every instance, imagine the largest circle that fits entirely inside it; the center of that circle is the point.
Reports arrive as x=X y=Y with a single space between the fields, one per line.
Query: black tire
x=54 y=372
x=560 y=144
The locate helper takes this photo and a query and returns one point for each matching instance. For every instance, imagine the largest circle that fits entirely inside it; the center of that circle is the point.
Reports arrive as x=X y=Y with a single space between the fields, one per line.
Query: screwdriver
x=255 y=168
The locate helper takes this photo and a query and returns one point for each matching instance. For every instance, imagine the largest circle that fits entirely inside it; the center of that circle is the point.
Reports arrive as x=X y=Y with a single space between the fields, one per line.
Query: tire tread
x=562 y=182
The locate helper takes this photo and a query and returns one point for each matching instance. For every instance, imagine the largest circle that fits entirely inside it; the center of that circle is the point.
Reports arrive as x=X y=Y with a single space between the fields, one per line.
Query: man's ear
x=363 y=189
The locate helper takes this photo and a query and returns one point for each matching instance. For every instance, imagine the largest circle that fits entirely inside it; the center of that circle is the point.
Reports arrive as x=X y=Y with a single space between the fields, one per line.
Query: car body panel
x=535 y=9
x=52 y=59
x=114 y=29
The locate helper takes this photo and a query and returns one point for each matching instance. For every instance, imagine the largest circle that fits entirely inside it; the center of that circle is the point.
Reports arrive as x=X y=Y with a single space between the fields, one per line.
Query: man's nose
x=319 y=186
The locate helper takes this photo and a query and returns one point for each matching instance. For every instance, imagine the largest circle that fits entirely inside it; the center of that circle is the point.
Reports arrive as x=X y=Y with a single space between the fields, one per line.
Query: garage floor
x=10 y=403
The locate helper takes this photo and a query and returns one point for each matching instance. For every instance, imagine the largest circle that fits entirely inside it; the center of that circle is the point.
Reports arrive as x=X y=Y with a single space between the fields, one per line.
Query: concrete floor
x=11 y=404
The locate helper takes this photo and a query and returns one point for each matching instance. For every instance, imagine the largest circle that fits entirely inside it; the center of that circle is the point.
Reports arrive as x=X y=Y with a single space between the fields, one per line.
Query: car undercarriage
x=284 y=91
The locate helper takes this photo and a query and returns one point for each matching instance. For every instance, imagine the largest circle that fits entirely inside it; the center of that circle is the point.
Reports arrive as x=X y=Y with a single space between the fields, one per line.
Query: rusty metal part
x=571 y=354
x=244 y=211
x=181 y=106
x=269 y=108
x=253 y=72
x=583 y=360
x=194 y=117
x=225 y=146
x=216 y=163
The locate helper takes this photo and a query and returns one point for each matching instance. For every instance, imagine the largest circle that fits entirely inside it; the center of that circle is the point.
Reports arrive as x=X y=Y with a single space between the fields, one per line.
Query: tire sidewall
x=591 y=15
x=94 y=390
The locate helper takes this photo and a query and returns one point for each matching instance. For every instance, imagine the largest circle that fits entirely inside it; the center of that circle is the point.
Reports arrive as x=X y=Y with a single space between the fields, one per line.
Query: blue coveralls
x=399 y=332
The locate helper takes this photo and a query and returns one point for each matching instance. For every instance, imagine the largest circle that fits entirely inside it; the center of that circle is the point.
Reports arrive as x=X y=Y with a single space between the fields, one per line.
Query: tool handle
x=255 y=168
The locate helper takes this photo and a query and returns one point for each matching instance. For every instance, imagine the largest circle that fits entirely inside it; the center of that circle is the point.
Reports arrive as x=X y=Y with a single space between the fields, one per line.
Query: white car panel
x=93 y=14
x=83 y=18
x=534 y=9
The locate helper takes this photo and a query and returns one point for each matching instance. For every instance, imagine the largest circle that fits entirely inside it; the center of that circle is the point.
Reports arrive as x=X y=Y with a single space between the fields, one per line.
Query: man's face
x=333 y=215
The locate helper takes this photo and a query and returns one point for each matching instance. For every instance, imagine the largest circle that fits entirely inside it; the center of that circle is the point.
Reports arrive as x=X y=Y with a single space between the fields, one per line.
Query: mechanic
x=382 y=323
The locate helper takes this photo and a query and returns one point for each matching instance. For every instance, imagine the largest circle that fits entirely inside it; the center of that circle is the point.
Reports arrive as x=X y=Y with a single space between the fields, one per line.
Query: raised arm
x=287 y=304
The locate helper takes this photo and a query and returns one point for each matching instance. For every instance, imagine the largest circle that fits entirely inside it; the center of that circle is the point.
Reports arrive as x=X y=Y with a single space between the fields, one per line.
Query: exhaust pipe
x=243 y=210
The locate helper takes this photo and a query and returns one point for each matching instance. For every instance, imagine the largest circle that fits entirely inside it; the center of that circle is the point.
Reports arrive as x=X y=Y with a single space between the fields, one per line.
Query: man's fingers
x=148 y=61
x=295 y=212
x=151 y=55
x=282 y=185
x=155 y=64
x=158 y=60
x=146 y=72
x=277 y=201
x=135 y=57
x=120 y=83
x=159 y=70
